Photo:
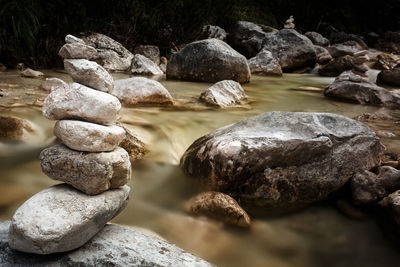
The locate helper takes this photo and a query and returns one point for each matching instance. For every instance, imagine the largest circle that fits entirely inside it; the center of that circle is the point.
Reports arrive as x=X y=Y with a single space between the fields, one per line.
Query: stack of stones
x=90 y=162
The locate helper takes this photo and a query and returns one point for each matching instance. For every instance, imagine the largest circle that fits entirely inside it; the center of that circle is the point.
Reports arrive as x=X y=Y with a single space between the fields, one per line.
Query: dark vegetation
x=32 y=31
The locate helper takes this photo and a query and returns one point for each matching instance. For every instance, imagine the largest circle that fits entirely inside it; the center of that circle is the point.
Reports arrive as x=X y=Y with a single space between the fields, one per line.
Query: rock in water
x=336 y=66
x=218 y=206
x=91 y=173
x=12 y=128
x=135 y=148
x=114 y=245
x=140 y=90
x=209 y=60
x=347 y=48
x=317 y=39
x=30 y=73
x=77 y=50
x=265 y=63
x=282 y=160
x=50 y=84
x=87 y=136
x=89 y=73
x=391 y=76
x=142 y=65
x=224 y=94
x=80 y=102
x=152 y=52
x=61 y=218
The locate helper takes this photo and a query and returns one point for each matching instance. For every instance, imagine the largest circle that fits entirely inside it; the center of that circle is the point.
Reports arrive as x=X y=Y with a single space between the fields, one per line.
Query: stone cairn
x=89 y=161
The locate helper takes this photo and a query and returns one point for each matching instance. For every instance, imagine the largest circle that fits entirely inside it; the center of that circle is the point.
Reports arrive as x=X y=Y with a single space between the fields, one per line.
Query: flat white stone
x=142 y=65
x=50 y=84
x=224 y=94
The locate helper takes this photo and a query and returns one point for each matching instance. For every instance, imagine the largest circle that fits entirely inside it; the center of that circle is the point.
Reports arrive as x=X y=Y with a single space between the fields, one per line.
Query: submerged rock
x=12 y=128
x=80 y=102
x=87 y=136
x=140 y=90
x=50 y=84
x=317 y=39
x=390 y=76
x=91 y=173
x=220 y=207
x=142 y=65
x=224 y=94
x=265 y=63
x=152 y=52
x=211 y=31
x=30 y=73
x=61 y=218
x=77 y=50
x=209 y=60
x=283 y=160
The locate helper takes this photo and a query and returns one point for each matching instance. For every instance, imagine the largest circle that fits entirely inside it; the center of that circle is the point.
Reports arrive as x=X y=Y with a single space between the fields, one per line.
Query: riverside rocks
x=343 y=49
x=30 y=73
x=390 y=76
x=142 y=65
x=61 y=218
x=323 y=55
x=336 y=66
x=209 y=60
x=317 y=39
x=211 y=31
x=264 y=63
x=224 y=94
x=12 y=128
x=152 y=52
x=77 y=50
x=283 y=160
x=50 y=84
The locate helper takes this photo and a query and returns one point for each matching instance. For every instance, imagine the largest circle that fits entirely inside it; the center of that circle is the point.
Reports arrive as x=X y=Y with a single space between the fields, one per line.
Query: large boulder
x=209 y=60
x=150 y=51
x=140 y=90
x=343 y=49
x=224 y=94
x=283 y=160
x=61 y=218
x=390 y=76
x=114 y=245
x=265 y=63
x=317 y=39
x=142 y=65
x=291 y=49
x=211 y=31
x=110 y=54
x=352 y=87
x=336 y=66
x=323 y=56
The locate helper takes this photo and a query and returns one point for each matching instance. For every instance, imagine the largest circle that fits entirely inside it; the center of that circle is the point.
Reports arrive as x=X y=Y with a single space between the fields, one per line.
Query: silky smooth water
x=316 y=236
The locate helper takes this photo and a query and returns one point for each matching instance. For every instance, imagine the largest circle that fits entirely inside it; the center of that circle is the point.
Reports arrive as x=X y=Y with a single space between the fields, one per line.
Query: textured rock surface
x=317 y=38
x=77 y=50
x=80 y=102
x=30 y=73
x=89 y=73
x=218 y=206
x=265 y=63
x=50 y=84
x=12 y=128
x=61 y=218
x=283 y=159
x=224 y=94
x=70 y=39
x=323 y=55
x=208 y=60
x=135 y=148
x=352 y=87
x=140 y=90
x=87 y=136
x=336 y=66
x=142 y=65
x=91 y=173
x=150 y=51
x=385 y=61
x=211 y=31
x=391 y=76
x=347 y=48
x=114 y=245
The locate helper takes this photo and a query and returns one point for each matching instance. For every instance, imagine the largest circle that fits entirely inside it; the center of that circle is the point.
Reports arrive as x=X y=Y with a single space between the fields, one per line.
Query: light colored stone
x=50 y=84
x=89 y=73
x=89 y=172
x=140 y=90
x=224 y=94
x=265 y=63
x=77 y=51
x=317 y=39
x=152 y=52
x=61 y=218
x=30 y=73
x=87 y=136
x=135 y=147
x=70 y=39
x=142 y=65
x=80 y=102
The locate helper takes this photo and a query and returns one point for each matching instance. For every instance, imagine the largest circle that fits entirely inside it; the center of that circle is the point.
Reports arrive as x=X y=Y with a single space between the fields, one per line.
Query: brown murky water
x=317 y=236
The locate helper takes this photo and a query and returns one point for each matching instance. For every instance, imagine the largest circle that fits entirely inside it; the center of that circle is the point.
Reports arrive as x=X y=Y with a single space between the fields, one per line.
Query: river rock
x=385 y=61
x=87 y=136
x=209 y=60
x=211 y=31
x=142 y=65
x=368 y=187
x=70 y=39
x=110 y=54
x=91 y=173
x=323 y=56
x=135 y=148
x=140 y=90
x=152 y=52
x=77 y=50
x=353 y=87
x=80 y=102
x=347 y=48
x=61 y=218
x=291 y=49
x=283 y=160
x=390 y=76
x=265 y=63
x=50 y=84
x=89 y=73
x=336 y=66
x=12 y=128
x=218 y=206
x=317 y=39
x=113 y=245
x=30 y=73
x=224 y=94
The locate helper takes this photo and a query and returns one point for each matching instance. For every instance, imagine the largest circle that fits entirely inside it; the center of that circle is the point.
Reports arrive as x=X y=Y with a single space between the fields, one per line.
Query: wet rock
x=77 y=50
x=347 y=48
x=352 y=87
x=30 y=73
x=135 y=148
x=110 y=54
x=317 y=39
x=209 y=60
x=283 y=160
x=114 y=245
x=70 y=39
x=265 y=63
x=347 y=39
x=90 y=137
x=386 y=61
x=140 y=90
x=336 y=66
x=224 y=94
x=50 y=84
x=323 y=56
x=91 y=173
x=89 y=73
x=80 y=102
x=291 y=49
x=152 y=52
x=12 y=128
x=390 y=206
x=220 y=207
x=211 y=31
x=391 y=76
x=2 y=67
x=377 y=116
x=142 y=65
x=61 y=218
x=163 y=64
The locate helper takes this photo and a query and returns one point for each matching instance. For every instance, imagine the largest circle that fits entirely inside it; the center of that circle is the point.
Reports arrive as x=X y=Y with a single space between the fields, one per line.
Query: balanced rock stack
x=90 y=162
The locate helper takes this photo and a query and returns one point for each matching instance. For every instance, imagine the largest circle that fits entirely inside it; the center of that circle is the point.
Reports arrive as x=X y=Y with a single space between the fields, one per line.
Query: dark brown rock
x=391 y=76
x=337 y=66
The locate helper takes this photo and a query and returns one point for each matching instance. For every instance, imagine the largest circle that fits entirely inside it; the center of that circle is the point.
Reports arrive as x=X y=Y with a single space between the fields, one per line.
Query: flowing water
x=316 y=236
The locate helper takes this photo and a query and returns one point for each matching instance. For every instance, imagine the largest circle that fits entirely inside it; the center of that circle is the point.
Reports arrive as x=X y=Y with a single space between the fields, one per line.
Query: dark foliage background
x=32 y=31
